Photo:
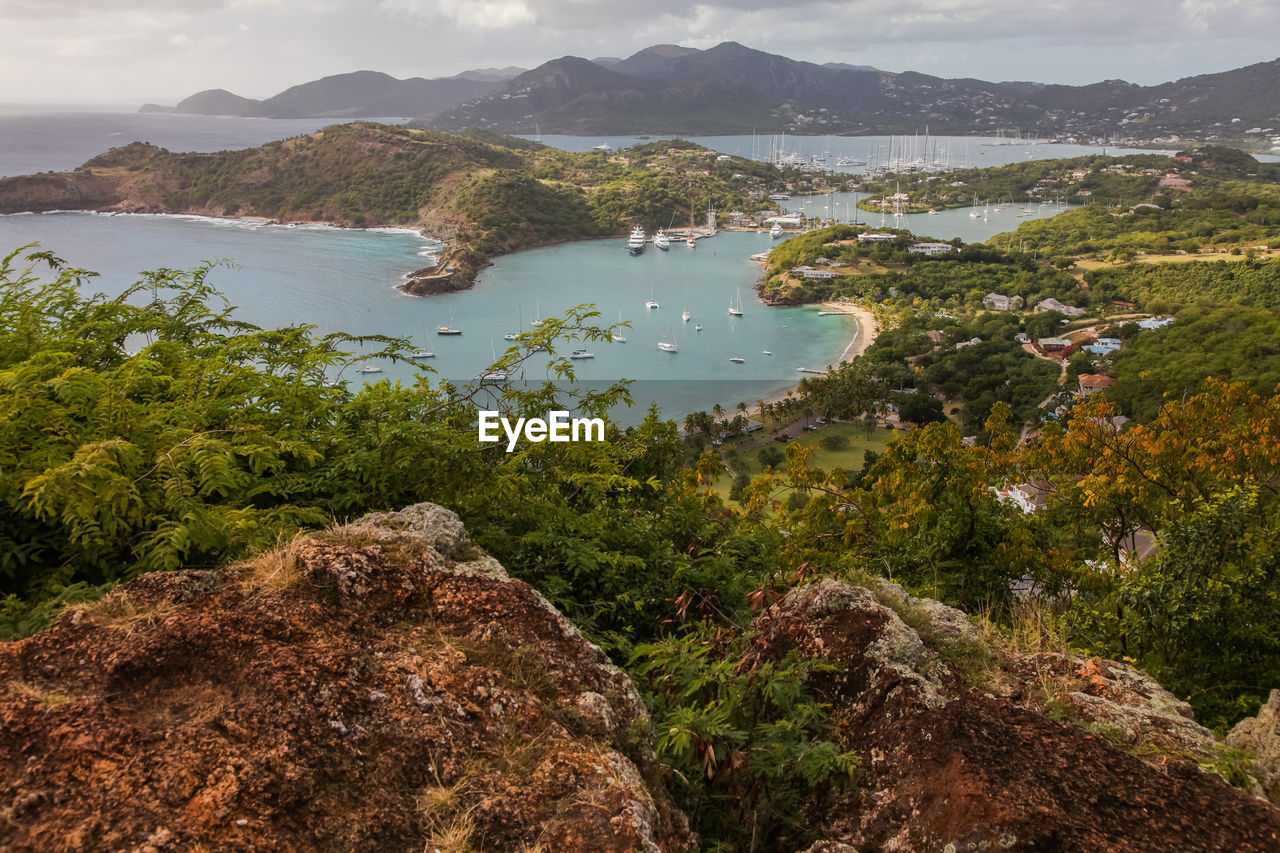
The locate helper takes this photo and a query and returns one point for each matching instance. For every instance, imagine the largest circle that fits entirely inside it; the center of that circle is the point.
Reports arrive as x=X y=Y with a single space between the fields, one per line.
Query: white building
x=931 y=248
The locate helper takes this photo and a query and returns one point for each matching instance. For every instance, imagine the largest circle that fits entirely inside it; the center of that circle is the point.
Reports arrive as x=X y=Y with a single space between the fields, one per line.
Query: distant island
x=732 y=89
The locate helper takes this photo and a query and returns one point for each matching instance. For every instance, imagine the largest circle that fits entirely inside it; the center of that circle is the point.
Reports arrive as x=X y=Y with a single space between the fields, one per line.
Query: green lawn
x=850 y=458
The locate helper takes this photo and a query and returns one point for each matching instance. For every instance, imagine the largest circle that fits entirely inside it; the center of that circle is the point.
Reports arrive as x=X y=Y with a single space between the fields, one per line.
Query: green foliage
x=1218 y=217
x=1201 y=615
x=1248 y=282
x=743 y=734
x=1229 y=343
x=216 y=438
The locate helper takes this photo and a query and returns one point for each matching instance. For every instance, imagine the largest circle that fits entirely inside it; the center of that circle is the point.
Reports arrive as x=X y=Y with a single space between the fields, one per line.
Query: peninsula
x=483 y=194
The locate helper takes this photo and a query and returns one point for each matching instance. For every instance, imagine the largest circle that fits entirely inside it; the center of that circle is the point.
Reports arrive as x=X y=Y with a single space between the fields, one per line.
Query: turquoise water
x=343 y=280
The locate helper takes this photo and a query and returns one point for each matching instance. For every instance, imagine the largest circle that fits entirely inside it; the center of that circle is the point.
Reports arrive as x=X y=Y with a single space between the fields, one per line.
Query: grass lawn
x=850 y=458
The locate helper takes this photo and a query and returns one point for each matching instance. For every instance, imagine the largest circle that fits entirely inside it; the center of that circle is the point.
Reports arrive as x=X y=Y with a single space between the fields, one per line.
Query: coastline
x=865 y=330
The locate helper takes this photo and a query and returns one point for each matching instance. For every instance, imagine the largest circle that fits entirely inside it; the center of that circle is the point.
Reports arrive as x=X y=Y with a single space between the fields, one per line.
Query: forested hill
x=485 y=194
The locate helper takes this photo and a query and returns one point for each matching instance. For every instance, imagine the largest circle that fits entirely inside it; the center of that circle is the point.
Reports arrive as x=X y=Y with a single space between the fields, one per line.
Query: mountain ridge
x=733 y=88
x=355 y=94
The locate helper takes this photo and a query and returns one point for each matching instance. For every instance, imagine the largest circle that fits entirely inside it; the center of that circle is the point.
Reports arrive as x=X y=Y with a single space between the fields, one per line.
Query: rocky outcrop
x=1260 y=735
x=948 y=766
x=382 y=686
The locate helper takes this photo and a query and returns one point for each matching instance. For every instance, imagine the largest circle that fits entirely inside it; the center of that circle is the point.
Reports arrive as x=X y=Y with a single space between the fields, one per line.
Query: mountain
x=496 y=75
x=735 y=89
x=358 y=94
x=731 y=88
x=211 y=102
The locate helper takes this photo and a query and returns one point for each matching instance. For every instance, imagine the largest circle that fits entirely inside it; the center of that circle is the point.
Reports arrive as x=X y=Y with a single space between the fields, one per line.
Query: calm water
x=40 y=141
x=958 y=151
x=342 y=280
x=943 y=225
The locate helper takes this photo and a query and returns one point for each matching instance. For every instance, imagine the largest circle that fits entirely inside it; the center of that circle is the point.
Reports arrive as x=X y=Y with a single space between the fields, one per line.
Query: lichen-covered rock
x=949 y=767
x=1261 y=736
x=945 y=623
x=845 y=624
x=383 y=686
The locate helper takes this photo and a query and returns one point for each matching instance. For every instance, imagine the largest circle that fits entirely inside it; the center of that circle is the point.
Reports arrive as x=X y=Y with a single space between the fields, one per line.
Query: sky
x=133 y=51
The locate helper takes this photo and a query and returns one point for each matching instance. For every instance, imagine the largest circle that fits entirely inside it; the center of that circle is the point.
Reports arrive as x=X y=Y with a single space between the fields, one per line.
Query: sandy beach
x=865 y=329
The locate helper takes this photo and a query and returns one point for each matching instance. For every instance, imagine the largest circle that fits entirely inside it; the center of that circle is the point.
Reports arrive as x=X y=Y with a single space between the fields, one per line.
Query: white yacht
x=661 y=240
x=735 y=308
x=691 y=241
x=737 y=359
x=669 y=346
x=767 y=352
x=776 y=231
x=422 y=353
x=635 y=243
x=698 y=328
x=581 y=353
x=369 y=368
x=685 y=315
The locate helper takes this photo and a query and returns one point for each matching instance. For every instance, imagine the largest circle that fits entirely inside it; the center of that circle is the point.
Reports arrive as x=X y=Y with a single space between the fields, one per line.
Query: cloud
x=95 y=48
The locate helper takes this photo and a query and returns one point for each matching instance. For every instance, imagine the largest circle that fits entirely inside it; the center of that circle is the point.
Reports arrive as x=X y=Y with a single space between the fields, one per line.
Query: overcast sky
x=122 y=51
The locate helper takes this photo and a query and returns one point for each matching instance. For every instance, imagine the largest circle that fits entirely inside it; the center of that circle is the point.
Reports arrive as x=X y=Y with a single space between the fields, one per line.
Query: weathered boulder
x=382 y=686
x=1261 y=736
x=946 y=766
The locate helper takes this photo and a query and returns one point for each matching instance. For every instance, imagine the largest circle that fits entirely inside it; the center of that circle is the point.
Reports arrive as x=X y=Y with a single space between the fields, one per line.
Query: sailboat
x=495 y=375
x=423 y=353
x=449 y=329
x=698 y=328
x=735 y=309
x=622 y=339
x=669 y=346
x=535 y=321
x=690 y=240
x=652 y=303
x=369 y=368
x=685 y=315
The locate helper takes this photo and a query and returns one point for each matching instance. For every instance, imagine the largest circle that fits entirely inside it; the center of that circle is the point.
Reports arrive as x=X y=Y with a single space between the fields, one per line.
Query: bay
x=343 y=279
